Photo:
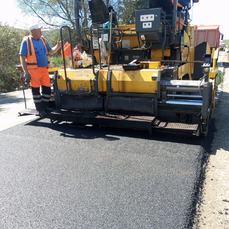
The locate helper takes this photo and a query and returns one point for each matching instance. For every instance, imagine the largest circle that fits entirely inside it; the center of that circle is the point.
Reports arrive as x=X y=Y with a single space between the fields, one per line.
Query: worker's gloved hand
x=27 y=77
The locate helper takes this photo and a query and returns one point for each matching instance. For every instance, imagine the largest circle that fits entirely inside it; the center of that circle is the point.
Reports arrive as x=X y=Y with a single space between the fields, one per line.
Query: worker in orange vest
x=34 y=59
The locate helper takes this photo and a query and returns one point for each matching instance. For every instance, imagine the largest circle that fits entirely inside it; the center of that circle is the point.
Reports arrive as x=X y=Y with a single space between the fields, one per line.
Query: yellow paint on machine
x=184 y=70
x=150 y=64
x=137 y=81
x=156 y=54
x=191 y=58
x=79 y=78
x=132 y=40
x=212 y=73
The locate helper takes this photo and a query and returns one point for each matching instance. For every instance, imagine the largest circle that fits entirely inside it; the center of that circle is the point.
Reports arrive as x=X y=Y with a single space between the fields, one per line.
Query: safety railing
x=67 y=81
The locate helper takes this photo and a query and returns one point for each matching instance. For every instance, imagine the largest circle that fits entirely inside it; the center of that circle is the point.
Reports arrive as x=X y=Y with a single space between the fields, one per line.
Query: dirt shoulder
x=213 y=206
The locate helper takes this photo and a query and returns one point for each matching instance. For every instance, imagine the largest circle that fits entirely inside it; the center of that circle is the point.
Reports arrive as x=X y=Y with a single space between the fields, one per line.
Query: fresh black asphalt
x=62 y=177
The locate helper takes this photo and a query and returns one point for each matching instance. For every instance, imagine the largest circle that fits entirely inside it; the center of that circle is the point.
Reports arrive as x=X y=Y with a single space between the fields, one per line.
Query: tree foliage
x=53 y=13
x=61 y=12
x=126 y=10
x=56 y=13
x=10 y=40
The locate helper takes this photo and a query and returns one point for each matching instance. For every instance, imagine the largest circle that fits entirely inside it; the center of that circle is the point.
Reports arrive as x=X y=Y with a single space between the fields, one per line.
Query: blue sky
x=206 y=12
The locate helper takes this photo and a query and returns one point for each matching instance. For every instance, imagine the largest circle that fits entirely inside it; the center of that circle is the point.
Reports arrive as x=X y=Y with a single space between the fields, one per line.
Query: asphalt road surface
x=63 y=176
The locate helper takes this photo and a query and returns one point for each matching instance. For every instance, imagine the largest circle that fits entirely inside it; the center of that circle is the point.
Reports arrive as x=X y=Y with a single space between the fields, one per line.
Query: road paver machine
x=139 y=76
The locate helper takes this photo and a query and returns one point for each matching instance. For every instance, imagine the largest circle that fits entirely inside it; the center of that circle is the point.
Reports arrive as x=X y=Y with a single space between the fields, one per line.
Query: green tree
x=126 y=10
x=55 y=13
x=51 y=12
x=10 y=40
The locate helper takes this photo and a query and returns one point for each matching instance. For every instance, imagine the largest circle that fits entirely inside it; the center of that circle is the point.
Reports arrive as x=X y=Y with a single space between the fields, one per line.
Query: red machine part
x=207 y=33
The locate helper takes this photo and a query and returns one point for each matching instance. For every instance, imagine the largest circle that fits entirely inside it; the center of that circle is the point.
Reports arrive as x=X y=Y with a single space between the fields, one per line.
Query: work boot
x=42 y=113
x=48 y=109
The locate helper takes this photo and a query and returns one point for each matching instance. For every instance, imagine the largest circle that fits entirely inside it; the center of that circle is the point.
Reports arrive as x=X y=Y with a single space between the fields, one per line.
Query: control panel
x=147 y=20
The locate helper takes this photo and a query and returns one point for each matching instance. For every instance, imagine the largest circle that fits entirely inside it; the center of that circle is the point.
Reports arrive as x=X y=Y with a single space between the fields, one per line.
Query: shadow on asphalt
x=70 y=130
x=11 y=99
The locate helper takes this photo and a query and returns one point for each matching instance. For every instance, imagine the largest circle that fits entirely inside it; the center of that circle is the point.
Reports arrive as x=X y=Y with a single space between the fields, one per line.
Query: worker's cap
x=36 y=26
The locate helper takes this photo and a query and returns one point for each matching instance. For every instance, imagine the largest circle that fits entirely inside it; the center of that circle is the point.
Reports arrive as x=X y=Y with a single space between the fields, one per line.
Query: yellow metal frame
x=213 y=72
x=142 y=80
x=80 y=79
x=184 y=70
x=135 y=81
x=156 y=54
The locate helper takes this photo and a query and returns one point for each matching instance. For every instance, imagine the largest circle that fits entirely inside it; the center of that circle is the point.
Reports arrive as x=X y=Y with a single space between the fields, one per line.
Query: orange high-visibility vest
x=31 y=59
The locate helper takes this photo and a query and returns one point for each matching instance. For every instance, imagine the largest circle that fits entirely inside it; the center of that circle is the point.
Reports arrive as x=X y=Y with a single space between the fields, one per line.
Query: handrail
x=175 y=16
x=92 y=50
x=68 y=89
